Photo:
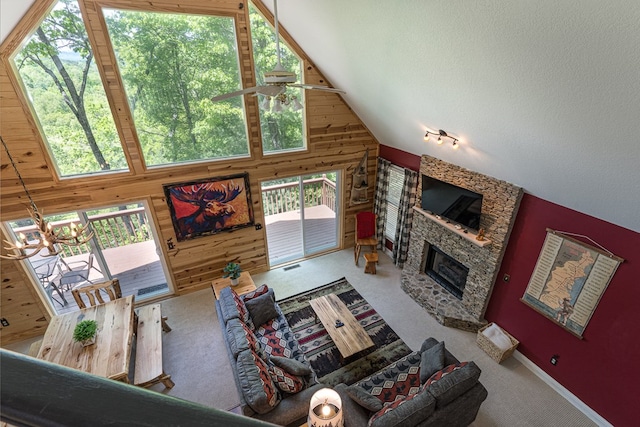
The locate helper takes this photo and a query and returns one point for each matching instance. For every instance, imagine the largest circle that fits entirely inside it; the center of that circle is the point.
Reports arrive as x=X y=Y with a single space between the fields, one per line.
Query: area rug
x=320 y=350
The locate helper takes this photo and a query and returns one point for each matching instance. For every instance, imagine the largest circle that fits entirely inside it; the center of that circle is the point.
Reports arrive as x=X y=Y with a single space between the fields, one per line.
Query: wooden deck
x=137 y=266
x=284 y=234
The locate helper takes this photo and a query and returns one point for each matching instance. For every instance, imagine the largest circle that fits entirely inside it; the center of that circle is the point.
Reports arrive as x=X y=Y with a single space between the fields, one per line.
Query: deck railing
x=282 y=198
x=123 y=227
x=111 y=229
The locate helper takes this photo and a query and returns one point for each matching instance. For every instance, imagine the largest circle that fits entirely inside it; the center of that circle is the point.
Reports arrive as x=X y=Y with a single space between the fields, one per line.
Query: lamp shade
x=325 y=409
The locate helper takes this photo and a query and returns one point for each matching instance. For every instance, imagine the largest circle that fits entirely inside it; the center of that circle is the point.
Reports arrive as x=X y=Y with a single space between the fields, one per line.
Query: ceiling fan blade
x=236 y=93
x=317 y=87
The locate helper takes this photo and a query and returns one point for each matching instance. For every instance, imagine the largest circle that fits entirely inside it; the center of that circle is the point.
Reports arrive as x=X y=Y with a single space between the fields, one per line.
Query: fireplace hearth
x=457 y=291
x=446 y=271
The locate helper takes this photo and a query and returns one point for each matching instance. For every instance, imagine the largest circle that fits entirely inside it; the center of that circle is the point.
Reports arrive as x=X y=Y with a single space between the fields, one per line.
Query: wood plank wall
x=337 y=139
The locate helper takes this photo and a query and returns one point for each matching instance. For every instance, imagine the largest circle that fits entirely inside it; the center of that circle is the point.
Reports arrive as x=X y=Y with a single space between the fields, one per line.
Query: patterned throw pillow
x=408 y=411
x=242 y=309
x=453 y=381
x=260 y=290
x=444 y=372
x=289 y=383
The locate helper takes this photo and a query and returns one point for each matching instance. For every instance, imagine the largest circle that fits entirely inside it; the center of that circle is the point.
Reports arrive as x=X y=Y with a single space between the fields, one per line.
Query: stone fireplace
x=457 y=291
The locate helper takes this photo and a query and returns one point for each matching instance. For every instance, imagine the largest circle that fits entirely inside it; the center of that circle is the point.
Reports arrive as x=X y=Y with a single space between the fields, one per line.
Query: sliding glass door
x=123 y=246
x=301 y=216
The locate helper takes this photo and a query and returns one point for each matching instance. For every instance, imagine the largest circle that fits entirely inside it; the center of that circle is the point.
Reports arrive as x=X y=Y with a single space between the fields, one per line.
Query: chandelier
x=48 y=237
x=280 y=103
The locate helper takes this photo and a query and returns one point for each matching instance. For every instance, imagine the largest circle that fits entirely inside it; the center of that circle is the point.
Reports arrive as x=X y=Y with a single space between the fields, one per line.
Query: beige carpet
x=197 y=360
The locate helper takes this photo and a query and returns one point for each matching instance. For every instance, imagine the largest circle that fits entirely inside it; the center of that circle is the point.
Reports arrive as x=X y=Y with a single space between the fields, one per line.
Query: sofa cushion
x=285 y=381
x=432 y=360
x=405 y=412
x=292 y=366
x=452 y=381
x=240 y=338
x=227 y=305
x=364 y=399
x=258 y=389
x=262 y=309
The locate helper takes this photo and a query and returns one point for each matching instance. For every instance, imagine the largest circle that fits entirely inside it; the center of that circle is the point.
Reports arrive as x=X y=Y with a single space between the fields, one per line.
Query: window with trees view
x=280 y=130
x=59 y=74
x=170 y=64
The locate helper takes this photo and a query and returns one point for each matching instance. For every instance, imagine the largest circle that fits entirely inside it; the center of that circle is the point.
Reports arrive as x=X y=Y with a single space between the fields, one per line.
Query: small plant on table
x=85 y=332
x=232 y=270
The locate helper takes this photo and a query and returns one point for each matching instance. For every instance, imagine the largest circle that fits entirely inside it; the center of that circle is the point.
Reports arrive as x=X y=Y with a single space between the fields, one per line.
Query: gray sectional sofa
x=275 y=381
x=429 y=387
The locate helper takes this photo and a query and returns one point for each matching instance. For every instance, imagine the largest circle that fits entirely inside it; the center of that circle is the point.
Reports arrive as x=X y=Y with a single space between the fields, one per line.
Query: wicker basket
x=492 y=350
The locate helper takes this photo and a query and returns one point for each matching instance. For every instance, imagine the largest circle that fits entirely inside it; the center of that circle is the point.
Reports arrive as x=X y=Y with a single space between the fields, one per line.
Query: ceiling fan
x=277 y=80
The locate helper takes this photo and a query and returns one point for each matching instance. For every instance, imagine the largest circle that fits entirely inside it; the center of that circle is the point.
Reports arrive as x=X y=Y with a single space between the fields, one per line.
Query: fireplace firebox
x=446 y=271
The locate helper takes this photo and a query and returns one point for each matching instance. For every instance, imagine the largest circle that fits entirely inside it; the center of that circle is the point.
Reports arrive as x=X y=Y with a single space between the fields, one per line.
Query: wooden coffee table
x=351 y=338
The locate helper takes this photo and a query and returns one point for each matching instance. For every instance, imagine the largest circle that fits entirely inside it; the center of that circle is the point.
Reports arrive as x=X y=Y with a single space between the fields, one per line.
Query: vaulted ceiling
x=545 y=95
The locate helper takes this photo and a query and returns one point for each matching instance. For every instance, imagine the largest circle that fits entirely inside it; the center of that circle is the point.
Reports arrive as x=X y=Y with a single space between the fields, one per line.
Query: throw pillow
x=452 y=381
x=243 y=314
x=409 y=411
x=260 y=290
x=262 y=309
x=364 y=399
x=289 y=383
x=432 y=360
x=292 y=366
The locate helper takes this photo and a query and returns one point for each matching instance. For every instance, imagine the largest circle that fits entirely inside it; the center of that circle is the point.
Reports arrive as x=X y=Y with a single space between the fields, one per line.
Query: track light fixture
x=442 y=134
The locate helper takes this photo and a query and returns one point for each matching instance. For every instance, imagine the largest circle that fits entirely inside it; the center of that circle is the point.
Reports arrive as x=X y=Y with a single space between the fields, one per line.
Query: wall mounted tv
x=451 y=202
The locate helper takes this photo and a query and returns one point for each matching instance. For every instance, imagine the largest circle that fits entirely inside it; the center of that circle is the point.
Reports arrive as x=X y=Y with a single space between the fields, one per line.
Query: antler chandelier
x=48 y=236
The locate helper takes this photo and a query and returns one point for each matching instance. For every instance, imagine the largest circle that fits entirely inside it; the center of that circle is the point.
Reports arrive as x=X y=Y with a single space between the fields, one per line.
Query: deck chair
x=365 y=233
x=77 y=272
x=96 y=293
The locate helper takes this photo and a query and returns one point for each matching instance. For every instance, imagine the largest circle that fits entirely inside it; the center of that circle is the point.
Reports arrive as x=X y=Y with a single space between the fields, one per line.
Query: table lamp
x=325 y=409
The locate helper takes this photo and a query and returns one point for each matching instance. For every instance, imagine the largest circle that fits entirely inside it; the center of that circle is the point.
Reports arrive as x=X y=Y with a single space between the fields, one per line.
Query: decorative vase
x=234 y=282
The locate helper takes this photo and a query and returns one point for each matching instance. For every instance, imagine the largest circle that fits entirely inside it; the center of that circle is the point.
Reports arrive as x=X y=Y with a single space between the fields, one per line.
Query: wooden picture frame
x=209 y=206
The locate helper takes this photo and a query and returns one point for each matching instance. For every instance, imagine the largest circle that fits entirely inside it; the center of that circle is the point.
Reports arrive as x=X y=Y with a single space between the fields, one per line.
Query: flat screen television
x=451 y=202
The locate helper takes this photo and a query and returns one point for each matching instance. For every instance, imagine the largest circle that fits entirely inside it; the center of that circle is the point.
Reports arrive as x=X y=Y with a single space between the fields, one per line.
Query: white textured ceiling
x=543 y=94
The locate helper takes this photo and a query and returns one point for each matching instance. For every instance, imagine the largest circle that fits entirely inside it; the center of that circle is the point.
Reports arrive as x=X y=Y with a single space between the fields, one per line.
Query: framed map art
x=568 y=281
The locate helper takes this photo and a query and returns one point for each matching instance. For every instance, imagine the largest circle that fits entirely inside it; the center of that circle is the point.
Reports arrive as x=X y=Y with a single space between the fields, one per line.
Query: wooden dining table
x=109 y=356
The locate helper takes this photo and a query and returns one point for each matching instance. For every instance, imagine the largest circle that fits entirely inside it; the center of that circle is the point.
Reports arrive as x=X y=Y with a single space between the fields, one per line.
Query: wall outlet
x=4 y=322
x=554 y=359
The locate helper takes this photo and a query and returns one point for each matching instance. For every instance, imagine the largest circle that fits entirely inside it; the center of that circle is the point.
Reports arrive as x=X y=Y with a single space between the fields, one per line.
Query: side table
x=245 y=284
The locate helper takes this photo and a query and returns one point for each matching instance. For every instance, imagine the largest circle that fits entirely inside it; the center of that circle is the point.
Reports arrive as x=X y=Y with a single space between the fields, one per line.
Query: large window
x=171 y=65
x=58 y=71
x=281 y=130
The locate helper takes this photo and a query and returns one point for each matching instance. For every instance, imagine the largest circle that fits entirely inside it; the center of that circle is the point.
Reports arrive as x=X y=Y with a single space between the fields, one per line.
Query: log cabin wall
x=336 y=140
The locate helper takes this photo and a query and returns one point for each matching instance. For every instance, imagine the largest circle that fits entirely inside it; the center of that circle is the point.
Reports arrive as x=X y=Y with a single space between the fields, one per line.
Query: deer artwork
x=212 y=200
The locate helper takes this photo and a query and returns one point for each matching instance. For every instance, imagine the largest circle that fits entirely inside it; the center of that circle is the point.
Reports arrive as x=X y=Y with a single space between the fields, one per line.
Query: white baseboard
x=571 y=398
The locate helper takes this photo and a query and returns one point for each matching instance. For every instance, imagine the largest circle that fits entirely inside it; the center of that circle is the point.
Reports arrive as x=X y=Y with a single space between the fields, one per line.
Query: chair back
x=96 y=293
x=365 y=225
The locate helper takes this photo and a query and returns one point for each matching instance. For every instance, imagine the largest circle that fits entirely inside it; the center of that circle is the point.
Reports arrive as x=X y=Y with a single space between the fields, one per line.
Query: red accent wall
x=602 y=368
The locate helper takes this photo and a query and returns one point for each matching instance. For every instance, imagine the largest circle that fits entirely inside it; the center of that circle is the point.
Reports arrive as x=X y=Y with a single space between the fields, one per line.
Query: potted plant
x=232 y=270
x=85 y=332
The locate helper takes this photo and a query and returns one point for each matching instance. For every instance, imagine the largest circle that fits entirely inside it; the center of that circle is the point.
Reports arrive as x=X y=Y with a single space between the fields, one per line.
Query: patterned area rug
x=320 y=350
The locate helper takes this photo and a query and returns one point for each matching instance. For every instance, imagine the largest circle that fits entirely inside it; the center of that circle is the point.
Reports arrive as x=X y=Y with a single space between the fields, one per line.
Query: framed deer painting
x=209 y=206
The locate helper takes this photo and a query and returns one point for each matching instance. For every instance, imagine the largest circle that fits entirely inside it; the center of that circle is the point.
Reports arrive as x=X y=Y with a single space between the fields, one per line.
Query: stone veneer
x=499 y=208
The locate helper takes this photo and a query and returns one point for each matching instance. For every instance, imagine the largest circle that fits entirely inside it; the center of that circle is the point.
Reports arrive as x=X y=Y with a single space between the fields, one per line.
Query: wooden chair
x=365 y=233
x=94 y=293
